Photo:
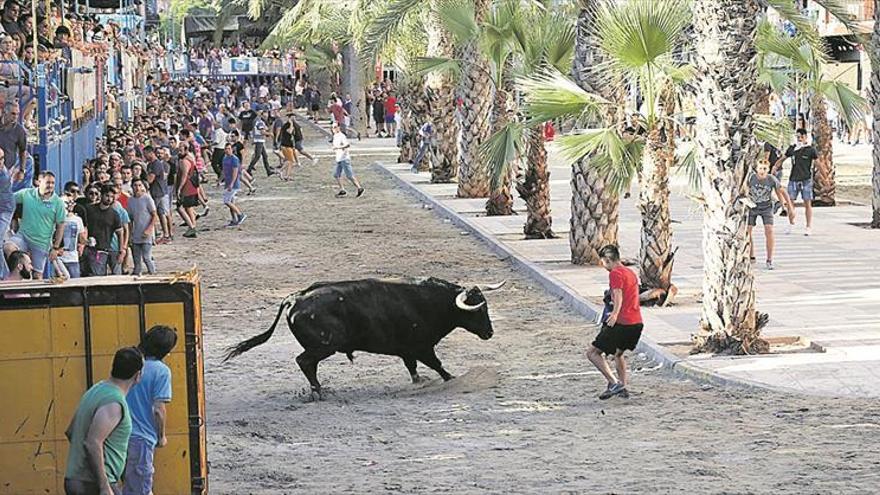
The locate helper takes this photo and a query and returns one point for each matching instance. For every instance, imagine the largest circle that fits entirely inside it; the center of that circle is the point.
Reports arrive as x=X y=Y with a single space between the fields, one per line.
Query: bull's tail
x=252 y=342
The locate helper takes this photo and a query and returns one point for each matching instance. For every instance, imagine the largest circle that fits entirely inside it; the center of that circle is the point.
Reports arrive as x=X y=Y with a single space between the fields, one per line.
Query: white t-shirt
x=73 y=227
x=264 y=91
x=219 y=138
x=340 y=141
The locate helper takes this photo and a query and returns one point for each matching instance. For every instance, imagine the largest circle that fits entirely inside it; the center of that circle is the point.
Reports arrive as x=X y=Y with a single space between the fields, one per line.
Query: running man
x=761 y=185
x=800 y=181
x=343 y=162
x=622 y=329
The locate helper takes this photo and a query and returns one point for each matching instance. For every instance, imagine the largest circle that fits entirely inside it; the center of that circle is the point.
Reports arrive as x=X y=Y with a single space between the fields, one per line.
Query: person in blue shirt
x=147 y=402
x=232 y=172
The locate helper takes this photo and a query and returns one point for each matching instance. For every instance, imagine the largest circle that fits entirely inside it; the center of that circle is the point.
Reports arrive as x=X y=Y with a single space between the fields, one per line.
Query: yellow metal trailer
x=56 y=340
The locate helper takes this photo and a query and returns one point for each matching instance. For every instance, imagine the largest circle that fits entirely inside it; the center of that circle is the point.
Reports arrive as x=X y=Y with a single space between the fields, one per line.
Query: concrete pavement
x=823 y=298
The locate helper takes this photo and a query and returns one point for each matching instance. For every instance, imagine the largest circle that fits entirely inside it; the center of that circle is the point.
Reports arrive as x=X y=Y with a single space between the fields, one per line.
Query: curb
x=574 y=300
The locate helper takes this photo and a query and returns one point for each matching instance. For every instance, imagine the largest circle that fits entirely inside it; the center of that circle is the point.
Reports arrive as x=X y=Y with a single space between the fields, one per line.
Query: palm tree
x=637 y=41
x=540 y=39
x=796 y=63
x=442 y=91
x=475 y=91
x=875 y=101
x=726 y=68
x=594 y=205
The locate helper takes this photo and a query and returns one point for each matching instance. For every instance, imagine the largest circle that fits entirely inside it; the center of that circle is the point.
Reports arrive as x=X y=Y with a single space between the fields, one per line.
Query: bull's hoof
x=417 y=379
x=448 y=377
x=315 y=395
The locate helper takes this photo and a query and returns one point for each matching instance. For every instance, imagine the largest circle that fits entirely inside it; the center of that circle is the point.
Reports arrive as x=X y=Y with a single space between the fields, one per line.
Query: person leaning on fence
x=147 y=401
x=41 y=228
x=100 y=429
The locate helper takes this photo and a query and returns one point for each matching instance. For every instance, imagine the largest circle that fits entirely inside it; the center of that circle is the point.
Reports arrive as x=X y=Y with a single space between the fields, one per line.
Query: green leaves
x=386 y=25
x=458 y=17
x=502 y=150
x=550 y=95
x=617 y=157
x=640 y=32
x=847 y=101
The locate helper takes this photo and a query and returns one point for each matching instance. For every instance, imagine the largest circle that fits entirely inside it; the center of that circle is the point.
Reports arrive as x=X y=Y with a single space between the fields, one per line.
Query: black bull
x=398 y=318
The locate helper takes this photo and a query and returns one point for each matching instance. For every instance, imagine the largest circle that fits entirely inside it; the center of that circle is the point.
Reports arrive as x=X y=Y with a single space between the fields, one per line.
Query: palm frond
x=778 y=132
x=550 y=95
x=459 y=18
x=385 y=26
x=686 y=164
x=637 y=34
x=616 y=157
x=501 y=150
x=425 y=65
x=847 y=101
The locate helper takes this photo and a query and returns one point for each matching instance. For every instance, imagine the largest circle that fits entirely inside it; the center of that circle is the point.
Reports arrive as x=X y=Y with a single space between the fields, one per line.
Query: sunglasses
x=74 y=191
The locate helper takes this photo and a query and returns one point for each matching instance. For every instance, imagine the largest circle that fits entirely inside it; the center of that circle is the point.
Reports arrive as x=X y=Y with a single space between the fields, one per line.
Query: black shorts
x=618 y=338
x=188 y=201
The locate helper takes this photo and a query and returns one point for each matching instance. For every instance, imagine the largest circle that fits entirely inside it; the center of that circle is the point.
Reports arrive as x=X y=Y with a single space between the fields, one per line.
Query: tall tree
x=476 y=92
x=726 y=66
x=875 y=101
x=442 y=91
x=594 y=205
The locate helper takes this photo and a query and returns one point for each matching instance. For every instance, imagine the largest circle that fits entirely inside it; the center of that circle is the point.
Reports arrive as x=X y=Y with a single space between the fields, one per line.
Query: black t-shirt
x=247 y=119
x=102 y=224
x=802 y=162
x=237 y=149
x=287 y=135
x=774 y=154
x=80 y=209
x=159 y=187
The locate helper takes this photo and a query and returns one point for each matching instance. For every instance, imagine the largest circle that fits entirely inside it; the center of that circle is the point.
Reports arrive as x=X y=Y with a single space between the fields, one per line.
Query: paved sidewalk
x=823 y=298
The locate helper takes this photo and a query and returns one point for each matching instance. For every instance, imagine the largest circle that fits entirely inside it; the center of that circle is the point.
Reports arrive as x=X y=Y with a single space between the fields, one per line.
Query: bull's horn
x=491 y=287
x=459 y=302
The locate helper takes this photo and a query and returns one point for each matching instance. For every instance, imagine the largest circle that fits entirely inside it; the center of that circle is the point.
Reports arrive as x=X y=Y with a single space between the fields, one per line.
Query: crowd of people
x=190 y=142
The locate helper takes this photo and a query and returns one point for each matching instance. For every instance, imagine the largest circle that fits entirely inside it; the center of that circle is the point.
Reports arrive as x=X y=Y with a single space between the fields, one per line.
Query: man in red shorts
x=622 y=328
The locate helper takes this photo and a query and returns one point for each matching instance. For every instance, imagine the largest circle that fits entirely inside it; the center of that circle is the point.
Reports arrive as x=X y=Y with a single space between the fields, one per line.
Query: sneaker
x=769 y=265
x=190 y=233
x=241 y=219
x=808 y=231
x=232 y=223
x=611 y=391
x=341 y=193
x=624 y=394
x=360 y=192
x=314 y=160
x=787 y=228
x=204 y=213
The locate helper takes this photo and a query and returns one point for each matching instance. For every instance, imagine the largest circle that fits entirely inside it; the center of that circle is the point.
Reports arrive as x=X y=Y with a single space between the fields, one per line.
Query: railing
x=242 y=66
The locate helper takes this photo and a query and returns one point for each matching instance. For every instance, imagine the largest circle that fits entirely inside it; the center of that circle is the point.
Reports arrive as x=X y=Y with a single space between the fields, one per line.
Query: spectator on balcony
x=9 y=18
x=42 y=223
x=13 y=137
x=62 y=41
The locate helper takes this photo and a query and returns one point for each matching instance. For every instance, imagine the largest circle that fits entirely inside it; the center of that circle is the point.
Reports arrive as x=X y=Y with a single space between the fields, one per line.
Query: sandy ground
x=521 y=417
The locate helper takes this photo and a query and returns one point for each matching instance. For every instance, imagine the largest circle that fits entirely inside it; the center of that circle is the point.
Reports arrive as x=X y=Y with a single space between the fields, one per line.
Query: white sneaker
x=787 y=229
x=315 y=160
x=808 y=231
x=769 y=265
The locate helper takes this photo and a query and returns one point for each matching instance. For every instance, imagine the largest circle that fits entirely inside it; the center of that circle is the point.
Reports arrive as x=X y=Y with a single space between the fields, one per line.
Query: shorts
x=618 y=338
x=764 y=211
x=39 y=254
x=288 y=153
x=188 y=201
x=343 y=167
x=298 y=145
x=802 y=188
x=389 y=119
x=229 y=196
x=163 y=205
x=139 y=468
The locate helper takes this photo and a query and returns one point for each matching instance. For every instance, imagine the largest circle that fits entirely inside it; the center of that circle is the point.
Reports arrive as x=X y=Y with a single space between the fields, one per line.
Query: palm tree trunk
x=407 y=102
x=823 y=186
x=725 y=61
x=656 y=253
x=594 y=207
x=353 y=86
x=444 y=158
x=475 y=90
x=875 y=101
x=534 y=188
x=500 y=200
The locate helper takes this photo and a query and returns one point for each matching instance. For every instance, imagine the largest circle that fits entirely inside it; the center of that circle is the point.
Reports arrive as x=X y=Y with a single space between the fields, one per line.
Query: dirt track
x=522 y=416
